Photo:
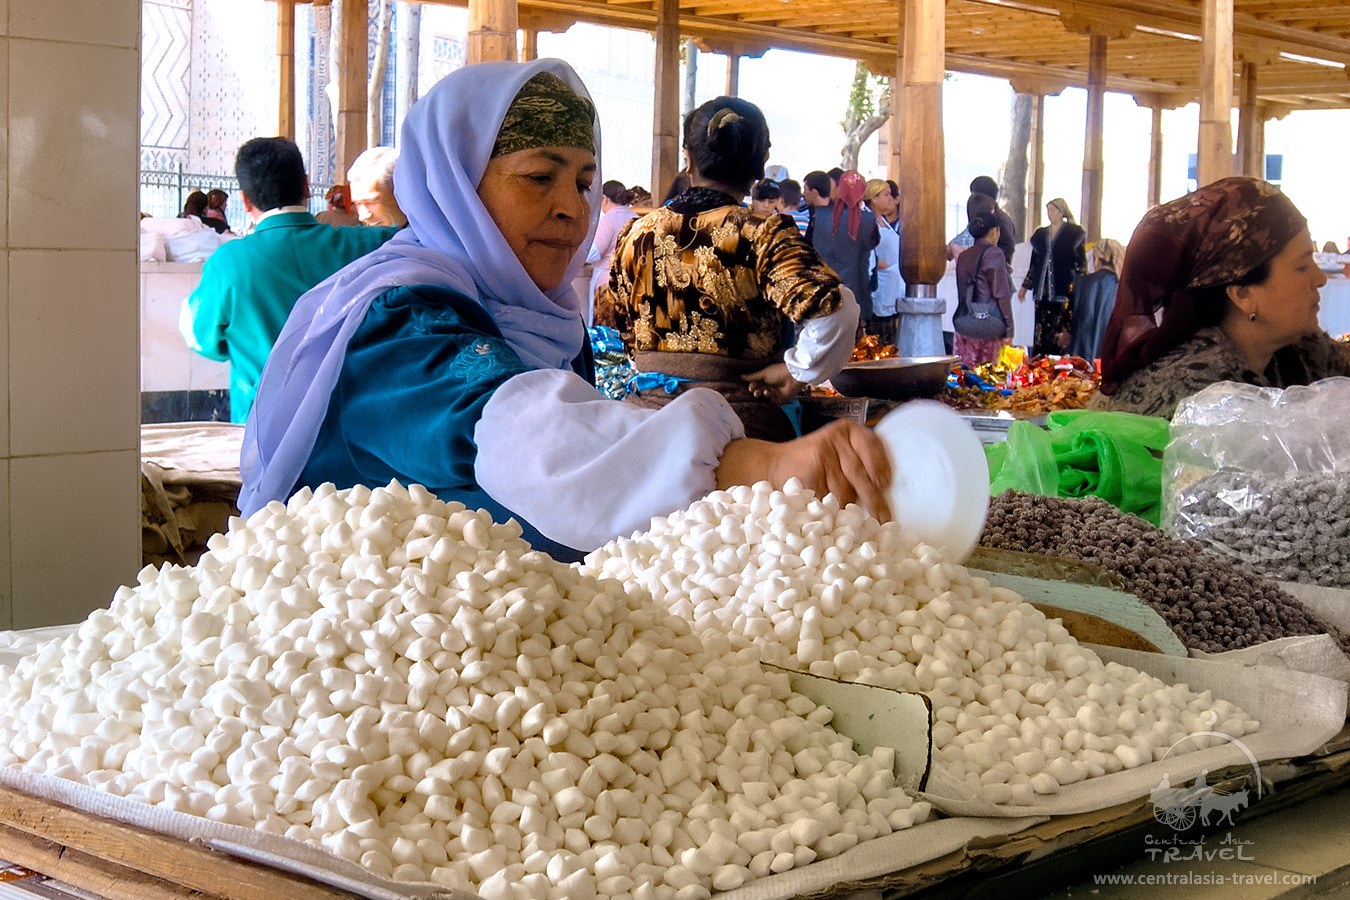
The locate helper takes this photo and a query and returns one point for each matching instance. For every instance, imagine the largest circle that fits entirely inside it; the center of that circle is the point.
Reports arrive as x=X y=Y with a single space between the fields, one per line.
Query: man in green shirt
x=249 y=285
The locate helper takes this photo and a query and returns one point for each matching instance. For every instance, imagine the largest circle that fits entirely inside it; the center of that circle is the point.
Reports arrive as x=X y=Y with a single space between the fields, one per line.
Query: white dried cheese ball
x=1020 y=708
x=410 y=686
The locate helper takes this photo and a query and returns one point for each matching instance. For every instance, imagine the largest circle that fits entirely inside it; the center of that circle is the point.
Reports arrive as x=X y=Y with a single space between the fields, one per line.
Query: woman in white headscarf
x=455 y=356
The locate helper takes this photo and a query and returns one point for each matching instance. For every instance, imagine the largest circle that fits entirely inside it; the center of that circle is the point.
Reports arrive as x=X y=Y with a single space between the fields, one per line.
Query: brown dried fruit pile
x=1212 y=604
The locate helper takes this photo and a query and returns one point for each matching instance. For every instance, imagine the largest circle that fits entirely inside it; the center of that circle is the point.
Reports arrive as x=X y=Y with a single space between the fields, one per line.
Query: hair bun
x=720 y=119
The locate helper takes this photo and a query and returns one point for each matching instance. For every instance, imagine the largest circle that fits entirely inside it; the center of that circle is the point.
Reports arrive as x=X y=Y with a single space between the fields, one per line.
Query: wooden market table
x=123 y=862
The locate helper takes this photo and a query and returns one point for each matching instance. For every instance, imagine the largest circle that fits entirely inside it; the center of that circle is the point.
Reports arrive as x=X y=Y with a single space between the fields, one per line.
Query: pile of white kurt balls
x=1021 y=709
x=412 y=687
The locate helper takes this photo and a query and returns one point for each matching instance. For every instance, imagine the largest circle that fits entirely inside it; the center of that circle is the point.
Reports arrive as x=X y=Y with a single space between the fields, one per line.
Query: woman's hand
x=774 y=383
x=1021 y=293
x=843 y=458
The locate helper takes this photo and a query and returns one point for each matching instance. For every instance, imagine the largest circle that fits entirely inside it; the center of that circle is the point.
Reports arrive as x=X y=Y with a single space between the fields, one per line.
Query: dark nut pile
x=1212 y=604
x=1292 y=527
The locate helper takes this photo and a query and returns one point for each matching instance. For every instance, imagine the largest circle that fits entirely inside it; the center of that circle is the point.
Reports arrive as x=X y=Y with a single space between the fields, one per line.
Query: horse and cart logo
x=1181 y=807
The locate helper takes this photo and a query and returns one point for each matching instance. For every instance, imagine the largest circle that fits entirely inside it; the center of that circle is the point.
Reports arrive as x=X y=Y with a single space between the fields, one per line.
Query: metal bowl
x=897 y=378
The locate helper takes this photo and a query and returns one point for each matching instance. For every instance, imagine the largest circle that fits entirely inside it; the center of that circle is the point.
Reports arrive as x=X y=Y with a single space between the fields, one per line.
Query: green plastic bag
x=1116 y=456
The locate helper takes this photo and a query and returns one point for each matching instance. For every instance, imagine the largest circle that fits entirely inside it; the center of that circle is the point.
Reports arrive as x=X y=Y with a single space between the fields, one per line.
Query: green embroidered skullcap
x=546 y=113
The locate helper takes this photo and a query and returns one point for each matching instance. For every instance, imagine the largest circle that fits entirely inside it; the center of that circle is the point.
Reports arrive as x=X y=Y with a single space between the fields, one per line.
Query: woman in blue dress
x=455 y=356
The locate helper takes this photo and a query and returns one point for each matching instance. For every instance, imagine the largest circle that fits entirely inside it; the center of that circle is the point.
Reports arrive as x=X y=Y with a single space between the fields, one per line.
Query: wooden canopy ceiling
x=1301 y=48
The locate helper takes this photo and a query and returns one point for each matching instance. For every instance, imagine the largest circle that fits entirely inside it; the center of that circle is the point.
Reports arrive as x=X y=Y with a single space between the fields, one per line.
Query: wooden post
x=733 y=74
x=1155 y=149
x=666 y=115
x=1250 y=149
x=1214 y=155
x=353 y=75
x=529 y=50
x=492 y=31
x=286 y=68
x=896 y=141
x=1036 y=195
x=923 y=183
x=1092 y=148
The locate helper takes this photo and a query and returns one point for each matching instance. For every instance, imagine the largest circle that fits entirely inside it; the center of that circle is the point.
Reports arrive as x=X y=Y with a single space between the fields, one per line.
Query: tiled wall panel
x=69 y=371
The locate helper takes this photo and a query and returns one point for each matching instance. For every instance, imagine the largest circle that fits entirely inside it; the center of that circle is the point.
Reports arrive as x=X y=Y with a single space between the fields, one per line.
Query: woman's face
x=1054 y=213
x=764 y=207
x=883 y=204
x=1286 y=304
x=538 y=200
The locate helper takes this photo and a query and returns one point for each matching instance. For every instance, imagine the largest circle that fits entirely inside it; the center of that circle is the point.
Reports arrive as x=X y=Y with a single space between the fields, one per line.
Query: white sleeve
x=584 y=469
x=825 y=343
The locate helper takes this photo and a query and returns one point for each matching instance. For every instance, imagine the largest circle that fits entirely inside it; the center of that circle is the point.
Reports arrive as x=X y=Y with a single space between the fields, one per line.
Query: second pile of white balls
x=1021 y=708
x=413 y=688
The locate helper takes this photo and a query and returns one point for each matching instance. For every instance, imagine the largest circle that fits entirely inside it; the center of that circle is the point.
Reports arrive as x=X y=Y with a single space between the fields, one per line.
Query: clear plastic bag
x=1263 y=476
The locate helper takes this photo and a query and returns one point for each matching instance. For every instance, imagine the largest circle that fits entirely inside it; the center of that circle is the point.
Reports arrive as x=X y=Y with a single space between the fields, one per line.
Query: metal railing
x=163 y=193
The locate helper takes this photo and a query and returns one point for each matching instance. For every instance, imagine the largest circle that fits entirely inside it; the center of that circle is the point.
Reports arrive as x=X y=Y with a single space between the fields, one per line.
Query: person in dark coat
x=1094 y=298
x=1057 y=258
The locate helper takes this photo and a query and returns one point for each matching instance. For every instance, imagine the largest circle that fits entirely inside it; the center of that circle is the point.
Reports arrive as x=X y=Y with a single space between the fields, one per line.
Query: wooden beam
x=352 y=77
x=286 y=68
x=1092 y=147
x=1188 y=18
x=1249 y=121
x=124 y=862
x=1155 y=152
x=529 y=45
x=1036 y=193
x=733 y=76
x=895 y=141
x=492 y=31
x=923 y=182
x=1214 y=156
x=666 y=114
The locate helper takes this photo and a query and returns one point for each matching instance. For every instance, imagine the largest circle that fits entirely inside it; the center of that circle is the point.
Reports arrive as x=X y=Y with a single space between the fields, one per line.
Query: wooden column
x=529 y=49
x=895 y=142
x=1092 y=146
x=923 y=182
x=1251 y=126
x=286 y=68
x=733 y=75
x=352 y=77
x=1036 y=163
x=492 y=31
x=666 y=115
x=1155 y=149
x=1214 y=155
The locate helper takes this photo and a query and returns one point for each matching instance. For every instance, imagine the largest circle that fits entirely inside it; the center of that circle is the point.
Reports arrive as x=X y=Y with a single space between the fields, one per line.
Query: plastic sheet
x=1262 y=476
x=1085 y=453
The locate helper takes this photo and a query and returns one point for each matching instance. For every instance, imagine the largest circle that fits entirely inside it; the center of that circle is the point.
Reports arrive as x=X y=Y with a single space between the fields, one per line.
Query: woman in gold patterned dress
x=705 y=290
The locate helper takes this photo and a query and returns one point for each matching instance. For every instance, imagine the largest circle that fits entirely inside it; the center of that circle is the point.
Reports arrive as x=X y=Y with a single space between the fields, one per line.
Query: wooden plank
x=1159 y=61
x=923 y=177
x=1036 y=189
x=1250 y=149
x=286 y=68
x=492 y=31
x=1092 y=147
x=666 y=112
x=352 y=76
x=1155 y=152
x=1214 y=155
x=196 y=870
x=87 y=872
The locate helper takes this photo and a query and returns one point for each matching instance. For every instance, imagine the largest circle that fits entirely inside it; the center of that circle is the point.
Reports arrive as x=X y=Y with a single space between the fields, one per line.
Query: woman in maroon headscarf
x=1219 y=285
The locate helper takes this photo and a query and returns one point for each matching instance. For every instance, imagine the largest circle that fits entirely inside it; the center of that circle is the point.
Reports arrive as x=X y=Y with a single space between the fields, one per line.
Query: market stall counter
x=343 y=680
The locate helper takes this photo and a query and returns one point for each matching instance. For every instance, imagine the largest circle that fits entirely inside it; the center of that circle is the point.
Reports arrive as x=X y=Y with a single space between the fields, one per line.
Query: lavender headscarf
x=450 y=240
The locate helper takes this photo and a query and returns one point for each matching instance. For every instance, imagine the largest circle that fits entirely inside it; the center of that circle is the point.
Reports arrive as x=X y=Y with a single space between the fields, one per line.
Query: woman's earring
x=1251 y=318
